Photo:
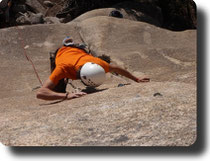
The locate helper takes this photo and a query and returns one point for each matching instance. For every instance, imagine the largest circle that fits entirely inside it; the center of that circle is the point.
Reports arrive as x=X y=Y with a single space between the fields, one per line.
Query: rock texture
x=159 y=113
x=176 y=15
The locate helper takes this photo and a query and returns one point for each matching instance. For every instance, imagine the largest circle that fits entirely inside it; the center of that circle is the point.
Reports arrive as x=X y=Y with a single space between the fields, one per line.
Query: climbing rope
x=26 y=55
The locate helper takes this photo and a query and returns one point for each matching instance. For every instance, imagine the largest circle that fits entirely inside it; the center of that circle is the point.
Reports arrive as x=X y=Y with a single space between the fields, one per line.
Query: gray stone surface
x=30 y=18
x=129 y=115
x=36 y=6
x=48 y=4
x=51 y=20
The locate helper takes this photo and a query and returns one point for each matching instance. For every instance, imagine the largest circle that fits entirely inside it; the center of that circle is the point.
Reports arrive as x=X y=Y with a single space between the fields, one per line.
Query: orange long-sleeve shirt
x=69 y=60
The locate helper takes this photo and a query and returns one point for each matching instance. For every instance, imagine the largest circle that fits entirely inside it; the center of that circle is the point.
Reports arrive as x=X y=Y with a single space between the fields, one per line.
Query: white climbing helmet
x=92 y=74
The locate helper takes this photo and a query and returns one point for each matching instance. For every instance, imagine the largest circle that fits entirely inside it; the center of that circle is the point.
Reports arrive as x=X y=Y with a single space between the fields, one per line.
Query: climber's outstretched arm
x=124 y=72
x=46 y=93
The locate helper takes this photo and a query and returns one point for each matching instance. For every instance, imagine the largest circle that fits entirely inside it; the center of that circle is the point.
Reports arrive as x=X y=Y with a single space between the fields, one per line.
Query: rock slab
x=110 y=116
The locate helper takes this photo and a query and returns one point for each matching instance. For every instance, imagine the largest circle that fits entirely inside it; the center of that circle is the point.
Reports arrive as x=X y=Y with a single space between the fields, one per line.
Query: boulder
x=48 y=4
x=145 y=12
x=23 y=19
x=35 y=6
x=101 y=12
x=30 y=18
x=37 y=18
x=51 y=20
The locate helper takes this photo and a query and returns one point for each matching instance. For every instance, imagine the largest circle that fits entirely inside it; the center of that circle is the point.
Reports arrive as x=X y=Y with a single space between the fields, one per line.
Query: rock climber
x=73 y=62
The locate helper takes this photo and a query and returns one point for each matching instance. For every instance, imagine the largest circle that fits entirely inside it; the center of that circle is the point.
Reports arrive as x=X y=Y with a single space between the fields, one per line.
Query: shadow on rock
x=90 y=90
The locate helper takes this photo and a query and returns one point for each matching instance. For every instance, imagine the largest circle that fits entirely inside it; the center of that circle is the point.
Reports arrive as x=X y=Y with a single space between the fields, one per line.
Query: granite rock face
x=159 y=113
